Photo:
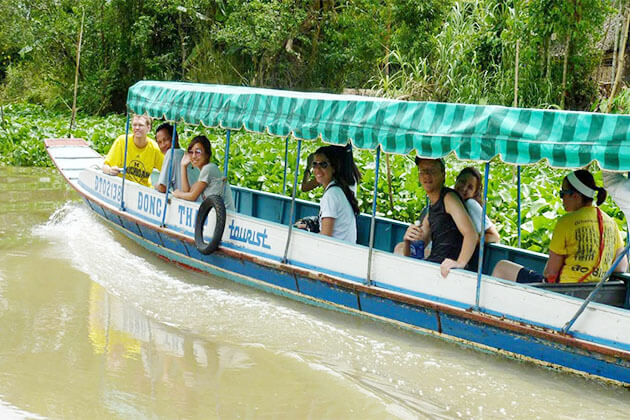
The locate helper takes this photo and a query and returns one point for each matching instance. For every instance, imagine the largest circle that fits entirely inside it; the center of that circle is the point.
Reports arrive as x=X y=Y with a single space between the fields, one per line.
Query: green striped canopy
x=567 y=139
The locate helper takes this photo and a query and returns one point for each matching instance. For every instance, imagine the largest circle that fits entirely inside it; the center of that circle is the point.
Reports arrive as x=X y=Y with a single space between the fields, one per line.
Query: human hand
x=114 y=170
x=413 y=233
x=309 y=161
x=177 y=194
x=185 y=159
x=446 y=266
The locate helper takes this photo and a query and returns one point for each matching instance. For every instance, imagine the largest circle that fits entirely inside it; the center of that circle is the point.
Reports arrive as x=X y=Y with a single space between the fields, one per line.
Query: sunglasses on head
x=566 y=192
x=322 y=165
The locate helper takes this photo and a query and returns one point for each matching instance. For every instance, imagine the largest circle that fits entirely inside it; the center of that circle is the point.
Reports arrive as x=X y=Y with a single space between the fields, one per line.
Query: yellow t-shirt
x=140 y=162
x=576 y=236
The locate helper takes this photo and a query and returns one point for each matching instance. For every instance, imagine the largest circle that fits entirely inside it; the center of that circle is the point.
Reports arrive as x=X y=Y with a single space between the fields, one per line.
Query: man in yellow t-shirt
x=576 y=236
x=143 y=153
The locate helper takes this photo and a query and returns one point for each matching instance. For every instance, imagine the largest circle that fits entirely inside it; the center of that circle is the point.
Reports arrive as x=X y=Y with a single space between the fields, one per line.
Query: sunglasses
x=197 y=152
x=322 y=165
x=565 y=192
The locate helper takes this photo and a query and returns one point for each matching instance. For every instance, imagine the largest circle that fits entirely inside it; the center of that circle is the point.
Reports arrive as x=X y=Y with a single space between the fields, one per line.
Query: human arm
x=184 y=172
x=414 y=233
x=111 y=170
x=326 y=226
x=308 y=182
x=193 y=193
x=553 y=267
x=457 y=210
x=619 y=188
x=492 y=235
x=188 y=192
x=163 y=180
x=622 y=267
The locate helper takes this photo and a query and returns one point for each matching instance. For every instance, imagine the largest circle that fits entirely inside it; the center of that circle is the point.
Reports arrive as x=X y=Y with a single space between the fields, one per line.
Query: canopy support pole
x=170 y=173
x=518 y=202
x=591 y=295
x=628 y=229
x=368 y=279
x=292 y=214
x=482 y=241
x=227 y=154
x=122 y=190
x=286 y=164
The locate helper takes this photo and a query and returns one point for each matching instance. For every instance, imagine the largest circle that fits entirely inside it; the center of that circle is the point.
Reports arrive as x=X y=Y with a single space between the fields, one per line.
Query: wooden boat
x=259 y=247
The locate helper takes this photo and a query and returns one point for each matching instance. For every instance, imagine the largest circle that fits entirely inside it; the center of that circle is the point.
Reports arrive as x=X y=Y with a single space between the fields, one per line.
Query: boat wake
x=405 y=373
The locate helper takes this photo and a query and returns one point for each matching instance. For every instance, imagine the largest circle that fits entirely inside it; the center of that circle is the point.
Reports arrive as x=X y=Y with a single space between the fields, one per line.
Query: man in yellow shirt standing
x=143 y=153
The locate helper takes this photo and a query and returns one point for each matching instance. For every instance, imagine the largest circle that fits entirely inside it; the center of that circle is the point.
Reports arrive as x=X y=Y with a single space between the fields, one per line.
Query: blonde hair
x=148 y=120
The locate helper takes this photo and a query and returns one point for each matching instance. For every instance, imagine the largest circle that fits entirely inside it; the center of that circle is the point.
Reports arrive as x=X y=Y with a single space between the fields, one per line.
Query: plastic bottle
x=416 y=248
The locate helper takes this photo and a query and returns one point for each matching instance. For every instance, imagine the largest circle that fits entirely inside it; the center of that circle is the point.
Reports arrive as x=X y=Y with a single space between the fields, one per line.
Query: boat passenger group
x=584 y=244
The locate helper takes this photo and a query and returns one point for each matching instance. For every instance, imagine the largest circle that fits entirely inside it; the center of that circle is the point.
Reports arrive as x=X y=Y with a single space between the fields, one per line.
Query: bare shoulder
x=452 y=199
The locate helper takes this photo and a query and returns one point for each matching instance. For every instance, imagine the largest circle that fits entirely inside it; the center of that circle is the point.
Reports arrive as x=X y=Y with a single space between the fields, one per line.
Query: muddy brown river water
x=93 y=326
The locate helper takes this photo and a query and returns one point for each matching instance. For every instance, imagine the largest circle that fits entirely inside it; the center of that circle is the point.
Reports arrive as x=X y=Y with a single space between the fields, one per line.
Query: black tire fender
x=211 y=202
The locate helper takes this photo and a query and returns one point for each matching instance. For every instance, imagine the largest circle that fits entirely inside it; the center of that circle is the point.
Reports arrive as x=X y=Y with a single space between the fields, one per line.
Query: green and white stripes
x=566 y=139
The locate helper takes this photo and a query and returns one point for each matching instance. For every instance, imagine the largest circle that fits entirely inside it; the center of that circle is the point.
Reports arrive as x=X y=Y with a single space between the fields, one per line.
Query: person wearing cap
x=619 y=188
x=448 y=226
x=585 y=241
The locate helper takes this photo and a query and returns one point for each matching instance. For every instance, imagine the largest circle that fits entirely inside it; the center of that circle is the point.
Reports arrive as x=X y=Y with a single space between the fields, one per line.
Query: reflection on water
x=93 y=326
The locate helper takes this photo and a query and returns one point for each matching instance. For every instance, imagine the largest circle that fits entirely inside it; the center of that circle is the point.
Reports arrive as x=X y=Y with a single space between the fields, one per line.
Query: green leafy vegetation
x=444 y=50
x=257 y=161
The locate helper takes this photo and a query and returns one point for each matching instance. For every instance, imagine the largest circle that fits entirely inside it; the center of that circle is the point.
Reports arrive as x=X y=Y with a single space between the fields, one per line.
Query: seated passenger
x=143 y=153
x=211 y=181
x=448 y=227
x=585 y=241
x=468 y=186
x=164 y=135
x=338 y=206
x=348 y=171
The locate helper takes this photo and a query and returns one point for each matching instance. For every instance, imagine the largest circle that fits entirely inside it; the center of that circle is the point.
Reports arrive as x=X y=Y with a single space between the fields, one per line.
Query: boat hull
x=474 y=330
x=406 y=293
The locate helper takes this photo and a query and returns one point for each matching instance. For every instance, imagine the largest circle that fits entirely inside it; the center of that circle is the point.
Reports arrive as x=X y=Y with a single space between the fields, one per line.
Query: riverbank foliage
x=444 y=50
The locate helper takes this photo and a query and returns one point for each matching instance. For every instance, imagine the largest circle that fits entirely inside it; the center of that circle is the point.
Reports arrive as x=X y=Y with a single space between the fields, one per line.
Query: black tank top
x=446 y=239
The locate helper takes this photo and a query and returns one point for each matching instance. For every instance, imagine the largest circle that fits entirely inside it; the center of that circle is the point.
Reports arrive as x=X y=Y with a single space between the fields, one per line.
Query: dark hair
x=348 y=170
x=587 y=179
x=472 y=171
x=205 y=143
x=335 y=155
x=169 y=129
x=438 y=160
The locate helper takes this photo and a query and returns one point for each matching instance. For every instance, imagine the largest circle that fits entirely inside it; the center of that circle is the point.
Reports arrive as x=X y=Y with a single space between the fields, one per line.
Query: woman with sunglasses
x=338 y=206
x=348 y=171
x=211 y=180
x=585 y=241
